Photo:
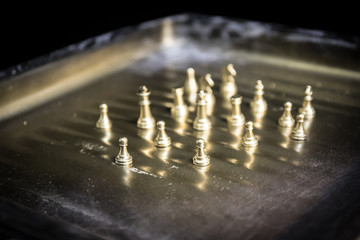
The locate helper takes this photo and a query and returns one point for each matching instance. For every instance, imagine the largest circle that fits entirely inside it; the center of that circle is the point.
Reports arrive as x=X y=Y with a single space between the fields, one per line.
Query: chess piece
x=104 y=121
x=249 y=139
x=179 y=111
x=205 y=84
x=123 y=158
x=258 y=104
x=286 y=119
x=190 y=86
x=228 y=87
x=201 y=121
x=146 y=120
x=236 y=118
x=161 y=140
x=201 y=159
x=307 y=109
x=298 y=133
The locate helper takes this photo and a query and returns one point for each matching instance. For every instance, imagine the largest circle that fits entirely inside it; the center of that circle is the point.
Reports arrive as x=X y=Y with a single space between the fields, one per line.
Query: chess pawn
x=298 y=133
x=145 y=120
x=205 y=84
x=201 y=121
x=201 y=159
x=286 y=119
x=104 y=121
x=307 y=109
x=258 y=104
x=236 y=118
x=161 y=140
x=249 y=139
x=190 y=86
x=179 y=111
x=228 y=87
x=123 y=158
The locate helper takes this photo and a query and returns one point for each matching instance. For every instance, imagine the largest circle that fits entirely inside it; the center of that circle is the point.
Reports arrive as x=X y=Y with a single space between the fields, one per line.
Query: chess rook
x=201 y=121
x=161 y=140
x=145 y=120
x=249 y=139
x=286 y=119
x=237 y=118
x=201 y=159
x=228 y=87
x=104 y=121
x=298 y=133
x=258 y=104
x=123 y=158
x=307 y=108
x=179 y=110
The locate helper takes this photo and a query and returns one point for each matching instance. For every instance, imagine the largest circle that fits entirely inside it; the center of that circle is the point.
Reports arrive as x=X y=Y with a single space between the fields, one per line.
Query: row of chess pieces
x=201 y=94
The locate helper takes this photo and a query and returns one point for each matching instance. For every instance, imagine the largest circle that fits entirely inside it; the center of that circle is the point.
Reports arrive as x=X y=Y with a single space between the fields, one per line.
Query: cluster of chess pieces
x=201 y=94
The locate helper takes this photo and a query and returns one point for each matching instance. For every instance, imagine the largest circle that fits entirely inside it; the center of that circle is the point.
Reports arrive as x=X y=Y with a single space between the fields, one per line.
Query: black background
x=29 y=32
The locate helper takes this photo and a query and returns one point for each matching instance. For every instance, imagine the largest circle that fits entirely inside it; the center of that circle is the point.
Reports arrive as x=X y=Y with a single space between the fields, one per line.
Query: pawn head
x=200 y=143
x=123 y=141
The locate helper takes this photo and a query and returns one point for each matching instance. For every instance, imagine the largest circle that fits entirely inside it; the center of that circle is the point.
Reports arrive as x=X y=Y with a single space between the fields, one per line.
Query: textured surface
x=54 y=160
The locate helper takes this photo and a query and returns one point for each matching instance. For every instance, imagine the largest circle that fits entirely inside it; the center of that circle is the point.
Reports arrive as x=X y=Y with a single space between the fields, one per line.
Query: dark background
x=35 y=31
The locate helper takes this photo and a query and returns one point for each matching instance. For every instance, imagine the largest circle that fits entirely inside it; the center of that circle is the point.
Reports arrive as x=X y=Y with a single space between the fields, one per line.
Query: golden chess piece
x=201 y=121
x=298 y=133
x=258 y=104
x=205 y=84
x=237 y=118
x=145 y=120
x=104 y=121
x=201 y=159
x=161 y=140
x=190 y=86
x=249 y=140
x=286 y=119
x=179 y=111
x=228 y=87
x=123 y=158
x=307 y=108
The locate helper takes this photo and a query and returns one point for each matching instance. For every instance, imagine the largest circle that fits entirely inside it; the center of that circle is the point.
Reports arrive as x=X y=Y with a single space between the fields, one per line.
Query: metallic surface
x=56 y=163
